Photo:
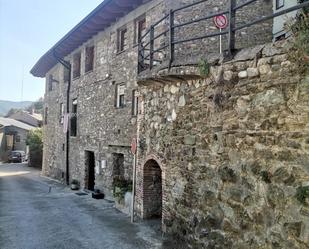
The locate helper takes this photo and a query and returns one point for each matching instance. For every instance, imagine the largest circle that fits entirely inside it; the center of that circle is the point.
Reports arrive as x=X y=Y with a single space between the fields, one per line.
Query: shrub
x=300 y=29
x=34 y=140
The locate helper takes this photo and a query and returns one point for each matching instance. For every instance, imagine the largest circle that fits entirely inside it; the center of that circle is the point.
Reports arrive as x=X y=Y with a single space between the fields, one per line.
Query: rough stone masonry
x=233 y=148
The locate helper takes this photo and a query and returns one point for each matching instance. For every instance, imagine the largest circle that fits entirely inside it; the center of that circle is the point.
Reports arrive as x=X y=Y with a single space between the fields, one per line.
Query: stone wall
x=233 y=148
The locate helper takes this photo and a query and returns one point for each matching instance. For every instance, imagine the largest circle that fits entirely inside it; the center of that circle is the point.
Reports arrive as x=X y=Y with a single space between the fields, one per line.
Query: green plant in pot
x=74 y=185
x=121 y=186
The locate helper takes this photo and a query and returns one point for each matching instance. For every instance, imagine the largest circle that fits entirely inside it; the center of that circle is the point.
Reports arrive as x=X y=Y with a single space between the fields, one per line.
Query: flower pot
x=98 y=195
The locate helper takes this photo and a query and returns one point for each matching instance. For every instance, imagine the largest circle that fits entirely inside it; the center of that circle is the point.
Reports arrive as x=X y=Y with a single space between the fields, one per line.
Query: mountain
x=5 y=105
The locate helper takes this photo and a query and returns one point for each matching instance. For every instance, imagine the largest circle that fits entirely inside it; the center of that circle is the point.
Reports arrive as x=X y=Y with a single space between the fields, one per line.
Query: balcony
x=187 y=35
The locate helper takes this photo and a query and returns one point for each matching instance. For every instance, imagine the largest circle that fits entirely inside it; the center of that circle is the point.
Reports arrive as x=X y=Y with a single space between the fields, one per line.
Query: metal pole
x=220 y=42
x=171 y=37
x=151 y=36
x=232 y=23
x=133 y=188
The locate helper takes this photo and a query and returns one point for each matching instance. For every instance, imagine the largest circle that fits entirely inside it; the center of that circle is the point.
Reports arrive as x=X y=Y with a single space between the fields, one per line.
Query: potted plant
x=75 y=185
x=97 y=194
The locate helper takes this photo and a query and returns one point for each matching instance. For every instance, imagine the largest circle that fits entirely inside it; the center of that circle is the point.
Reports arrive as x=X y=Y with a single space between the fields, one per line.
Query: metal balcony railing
x=151 y=52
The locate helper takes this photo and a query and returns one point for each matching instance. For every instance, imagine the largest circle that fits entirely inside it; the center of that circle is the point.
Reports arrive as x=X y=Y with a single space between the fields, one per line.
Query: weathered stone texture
x=101 y=127
x=191 y=52
x=232 y=150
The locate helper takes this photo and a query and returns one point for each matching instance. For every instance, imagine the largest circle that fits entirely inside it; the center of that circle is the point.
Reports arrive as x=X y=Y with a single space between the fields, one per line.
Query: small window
x=140 y=27
x=120 y=103
x=89 y=59
x=279 y=4
x=45 y=115
x=61 y=111
x=74 y=118
x=66 y=74
x=76 y=65
x=122 y=39
x=17 y=139
x=118 y=165
x=134 y=103
x=50 y=82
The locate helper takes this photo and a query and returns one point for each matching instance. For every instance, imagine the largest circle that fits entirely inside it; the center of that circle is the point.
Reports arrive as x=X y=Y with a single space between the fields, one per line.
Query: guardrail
x=146 y=47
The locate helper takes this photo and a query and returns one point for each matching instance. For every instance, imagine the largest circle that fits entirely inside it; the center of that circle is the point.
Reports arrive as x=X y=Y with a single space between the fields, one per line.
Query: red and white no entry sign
x=221 y=21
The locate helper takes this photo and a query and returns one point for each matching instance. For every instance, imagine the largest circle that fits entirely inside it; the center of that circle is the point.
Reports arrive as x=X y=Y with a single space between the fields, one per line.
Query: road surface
x=38 y=213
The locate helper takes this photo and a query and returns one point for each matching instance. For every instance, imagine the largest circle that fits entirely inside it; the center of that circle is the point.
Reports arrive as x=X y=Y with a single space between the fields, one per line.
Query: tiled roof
x=108 y=12
x=13 y=122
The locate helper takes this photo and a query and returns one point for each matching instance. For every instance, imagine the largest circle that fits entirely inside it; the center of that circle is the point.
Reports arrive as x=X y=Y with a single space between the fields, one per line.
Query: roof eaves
x=35 y=71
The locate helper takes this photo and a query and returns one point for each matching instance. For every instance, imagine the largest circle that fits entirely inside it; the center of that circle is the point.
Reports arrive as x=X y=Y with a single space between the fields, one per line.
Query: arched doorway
x=152 y=190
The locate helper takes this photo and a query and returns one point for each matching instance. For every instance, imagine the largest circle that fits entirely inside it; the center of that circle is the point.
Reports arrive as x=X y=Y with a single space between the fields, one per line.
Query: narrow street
x=38 y=213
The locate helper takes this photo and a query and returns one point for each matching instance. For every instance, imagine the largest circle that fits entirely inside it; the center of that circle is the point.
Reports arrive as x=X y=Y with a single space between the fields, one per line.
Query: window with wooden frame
x=134 y=103
x=50 y=82
x=45 y=115
x=279 y=4
x=140 y=28
x=89 y=60
x=122 y=41
x=66 y=74
x=76 y=64
x=73 y=126
x=61 y=113
x=119 y=97
x=17 y=138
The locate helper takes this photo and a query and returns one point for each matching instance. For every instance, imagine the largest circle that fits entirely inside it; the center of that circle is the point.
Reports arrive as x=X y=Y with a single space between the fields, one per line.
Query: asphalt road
x=38 y=213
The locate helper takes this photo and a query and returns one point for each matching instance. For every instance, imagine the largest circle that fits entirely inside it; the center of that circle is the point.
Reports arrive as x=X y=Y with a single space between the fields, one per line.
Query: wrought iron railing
x=148 y=52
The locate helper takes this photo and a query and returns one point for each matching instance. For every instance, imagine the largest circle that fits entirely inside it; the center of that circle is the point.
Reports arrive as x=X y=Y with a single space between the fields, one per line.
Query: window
x=122 y=39
x=119 y=99
x=50 y=82
x=66 y=74
x=17 y=139
x=279 y=4
x=134 y=103
x=140 y=27
x=74 y=118
x=61 y=113
x=45 y=115
x=76 y=65
x=118 y=165
x=89 y=59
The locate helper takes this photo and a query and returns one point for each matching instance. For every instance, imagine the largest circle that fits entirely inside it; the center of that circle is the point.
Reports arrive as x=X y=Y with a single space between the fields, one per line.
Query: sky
x=28 y=29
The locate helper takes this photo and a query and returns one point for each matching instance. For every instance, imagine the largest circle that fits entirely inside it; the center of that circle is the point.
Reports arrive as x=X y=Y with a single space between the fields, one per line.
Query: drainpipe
x=68 y=66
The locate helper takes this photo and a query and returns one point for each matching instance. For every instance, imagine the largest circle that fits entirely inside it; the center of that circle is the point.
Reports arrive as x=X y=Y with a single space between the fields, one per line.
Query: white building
x=279 y=30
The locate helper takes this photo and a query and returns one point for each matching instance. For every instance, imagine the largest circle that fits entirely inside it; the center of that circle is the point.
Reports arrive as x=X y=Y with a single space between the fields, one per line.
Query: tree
x=37 y=106
x=35 y=142
x=12 y=111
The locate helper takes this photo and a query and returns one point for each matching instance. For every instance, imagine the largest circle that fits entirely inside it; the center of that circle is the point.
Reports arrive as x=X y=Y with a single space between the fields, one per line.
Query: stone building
x=219 y=155
x=99 y=91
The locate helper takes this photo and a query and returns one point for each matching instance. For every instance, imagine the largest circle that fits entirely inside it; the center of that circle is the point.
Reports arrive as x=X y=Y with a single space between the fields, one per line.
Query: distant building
x=13 y=135
x=279 y=30
x=33 y=119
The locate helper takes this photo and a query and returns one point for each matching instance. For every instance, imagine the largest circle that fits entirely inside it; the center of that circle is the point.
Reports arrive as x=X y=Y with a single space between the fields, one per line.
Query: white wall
x=278 y=27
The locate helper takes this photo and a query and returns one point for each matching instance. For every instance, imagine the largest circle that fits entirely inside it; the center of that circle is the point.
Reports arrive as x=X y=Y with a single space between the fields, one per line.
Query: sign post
x=221 y=22
x=133 y=150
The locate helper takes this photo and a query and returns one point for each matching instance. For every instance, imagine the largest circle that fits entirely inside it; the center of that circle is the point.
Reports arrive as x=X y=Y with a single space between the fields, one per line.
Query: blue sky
x=28 y=28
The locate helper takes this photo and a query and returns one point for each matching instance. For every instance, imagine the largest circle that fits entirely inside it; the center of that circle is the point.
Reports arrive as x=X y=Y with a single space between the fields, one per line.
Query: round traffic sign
x=221 y=21
x=133 y=146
